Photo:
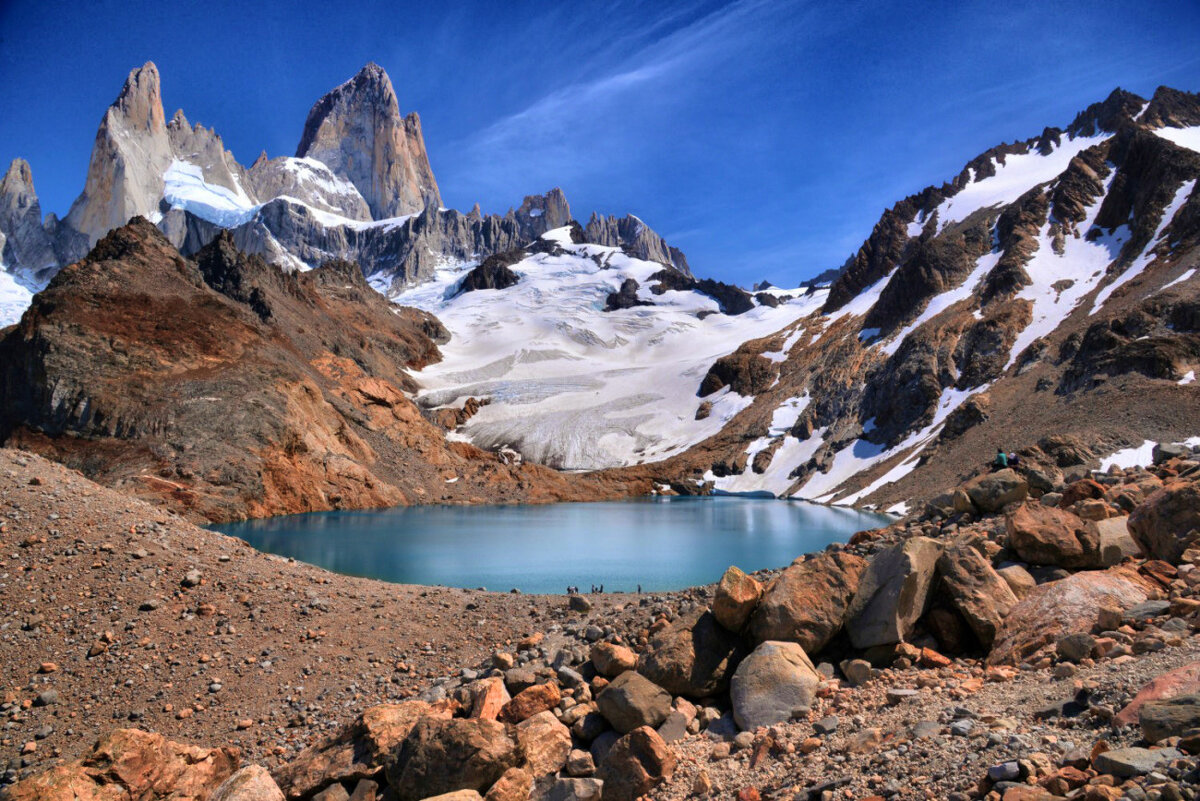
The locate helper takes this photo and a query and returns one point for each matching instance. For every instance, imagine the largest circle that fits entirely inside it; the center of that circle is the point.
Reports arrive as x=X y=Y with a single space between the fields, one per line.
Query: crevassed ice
x=583 y=388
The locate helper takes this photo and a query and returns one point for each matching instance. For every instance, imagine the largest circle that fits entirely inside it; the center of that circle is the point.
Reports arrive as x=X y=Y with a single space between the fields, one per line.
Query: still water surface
x=660 y=543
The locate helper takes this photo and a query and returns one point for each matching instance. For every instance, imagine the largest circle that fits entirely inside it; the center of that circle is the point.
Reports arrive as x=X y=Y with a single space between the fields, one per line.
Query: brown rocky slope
x=227 y=389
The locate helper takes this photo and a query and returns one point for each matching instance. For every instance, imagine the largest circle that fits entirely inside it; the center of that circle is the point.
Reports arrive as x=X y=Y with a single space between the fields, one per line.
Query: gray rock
x=631 y=700
x=826 y=725
x=1147 y=610
x=576 y=790
x=1004 y=772
x=674 y=727
x=898 y=695
x=1170 y=717
x=776 y=683
x=1075 y=647
x=893 y=593
x=1129 y=762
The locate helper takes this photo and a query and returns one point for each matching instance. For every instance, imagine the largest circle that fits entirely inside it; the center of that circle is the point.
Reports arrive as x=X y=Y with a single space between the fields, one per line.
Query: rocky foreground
x=1029 y=635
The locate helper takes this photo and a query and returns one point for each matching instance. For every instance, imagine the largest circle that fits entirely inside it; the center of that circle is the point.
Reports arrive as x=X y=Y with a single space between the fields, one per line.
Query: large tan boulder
x=1069 y=606
x=358 y=751
x=694 y=656
x=251 y=783
x=636 y=764
x=133 y=764
x=893 y=593
x=807 y=603
x=1116 y=541
x=632 y=700
x=611 y=660
x=530 y=701
x=775 y=684
x=737 y=595
x=443 y=755
x=991 y=492
x=514 y=785
x=1162 y=525
x=976 y=590
x=1043 y=535
x=545 y=742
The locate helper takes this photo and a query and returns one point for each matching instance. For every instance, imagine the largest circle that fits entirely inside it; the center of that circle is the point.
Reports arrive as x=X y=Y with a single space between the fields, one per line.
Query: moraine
x=660 y=543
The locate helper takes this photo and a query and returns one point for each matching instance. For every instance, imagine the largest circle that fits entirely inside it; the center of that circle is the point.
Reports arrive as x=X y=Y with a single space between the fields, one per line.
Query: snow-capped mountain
x=360 y=188
x=1046 y=300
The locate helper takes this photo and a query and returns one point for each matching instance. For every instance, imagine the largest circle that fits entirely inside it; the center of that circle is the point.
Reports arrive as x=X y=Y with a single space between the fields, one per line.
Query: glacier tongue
x=572 y=385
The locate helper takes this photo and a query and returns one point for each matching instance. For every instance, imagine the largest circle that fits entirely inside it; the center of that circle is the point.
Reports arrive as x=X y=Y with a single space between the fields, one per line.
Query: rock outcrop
x=357 y=130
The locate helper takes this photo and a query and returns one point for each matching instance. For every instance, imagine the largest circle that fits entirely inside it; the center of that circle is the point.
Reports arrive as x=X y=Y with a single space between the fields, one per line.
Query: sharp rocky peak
x=358 y=131
x=1107 y=115
x=140 y=101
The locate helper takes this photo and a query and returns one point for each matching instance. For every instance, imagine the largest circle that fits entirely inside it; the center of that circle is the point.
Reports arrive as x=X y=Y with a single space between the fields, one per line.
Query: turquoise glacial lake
x=659 y=543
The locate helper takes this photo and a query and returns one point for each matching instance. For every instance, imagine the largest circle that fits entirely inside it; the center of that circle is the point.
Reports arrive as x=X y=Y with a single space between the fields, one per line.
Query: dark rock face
x=1106 y=115
x=26 y=247
x=626 y=297
x=743 y=371
x=731 y=299
x=493 y=272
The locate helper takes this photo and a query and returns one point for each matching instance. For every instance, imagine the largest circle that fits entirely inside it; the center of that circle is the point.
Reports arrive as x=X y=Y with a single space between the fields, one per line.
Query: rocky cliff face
x=130 y=156
x=225 y=388
x=1045 y=298
x=357 y=130
x=27 y=251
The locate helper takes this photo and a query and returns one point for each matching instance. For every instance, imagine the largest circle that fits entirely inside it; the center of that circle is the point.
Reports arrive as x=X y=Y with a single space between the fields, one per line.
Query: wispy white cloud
x=579 y=128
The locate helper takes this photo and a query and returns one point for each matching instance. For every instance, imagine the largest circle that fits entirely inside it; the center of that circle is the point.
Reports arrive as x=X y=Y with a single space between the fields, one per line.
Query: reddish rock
x=1064 y=607
x=545 y=742
x=991 y=492
x=612 y=660
x=1042 y=535
x=976 y=590
x=1180 y=681
x=637 y=763
x=1163 y=523
x=693 y=656
x=129 y=763
x=530 y=701
x=489 y=696
x=807 y=603
x=737 y=595
x=441 y=756
x=1081 y=490
x=514 y=785
x=356 y=752
x=251 y=783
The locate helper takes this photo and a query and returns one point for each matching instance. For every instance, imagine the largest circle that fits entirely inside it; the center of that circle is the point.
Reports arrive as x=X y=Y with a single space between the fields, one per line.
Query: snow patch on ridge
x=14 y=298
x=184 y=188
x=1184 y=137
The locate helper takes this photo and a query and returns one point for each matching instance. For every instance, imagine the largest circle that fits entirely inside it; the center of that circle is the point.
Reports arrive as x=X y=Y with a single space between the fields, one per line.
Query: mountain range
x=222 y=353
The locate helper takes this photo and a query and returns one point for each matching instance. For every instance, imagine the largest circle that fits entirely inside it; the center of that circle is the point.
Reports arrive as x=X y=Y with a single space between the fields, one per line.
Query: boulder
x=1183 y=680
x=1162 y=525
x=1075 y=647
x=1018 y=579
x=1043 y=535
x=631 y=700
x=576 y=790
x=976 y=590
x=129 y=763
x=251 y=783
x=1169 y=718
x=991 y=492
x=807 y=602
x=776 y=683
x=1058 y=608
x=514 y=785
x=530 y=701
x=892 y=593
x=443 y=755
x=612 y=660
x=1116 y=541
x=546 y=743
x=636 y=764
x=358 y=751
x=488 y=697
x=693 y=656
x=457 y=795
x=737 y=595
x=1082 y=490
x=1126 y=763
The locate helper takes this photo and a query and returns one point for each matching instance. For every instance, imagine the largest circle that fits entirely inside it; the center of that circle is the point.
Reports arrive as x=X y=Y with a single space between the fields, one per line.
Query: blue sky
x=762 y=138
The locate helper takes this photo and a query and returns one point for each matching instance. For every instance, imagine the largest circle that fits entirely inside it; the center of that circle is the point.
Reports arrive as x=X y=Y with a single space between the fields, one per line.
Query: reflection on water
x=660 y=543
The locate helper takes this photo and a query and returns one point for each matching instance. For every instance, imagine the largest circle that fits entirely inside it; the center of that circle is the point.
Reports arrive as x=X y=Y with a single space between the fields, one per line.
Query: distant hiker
x=601 y=589
x=1001 y=460
x=1013 y=460
x=639 y=589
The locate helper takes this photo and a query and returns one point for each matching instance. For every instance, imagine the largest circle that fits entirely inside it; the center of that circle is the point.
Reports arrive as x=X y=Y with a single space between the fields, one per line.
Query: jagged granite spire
x=26 y=249
x=130 y=155
x=357 y=130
